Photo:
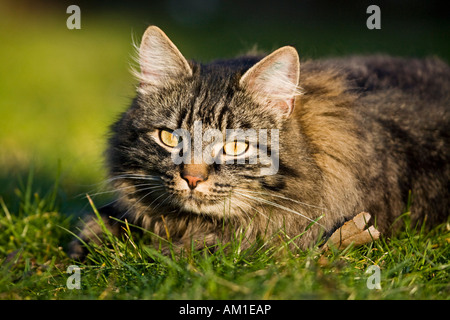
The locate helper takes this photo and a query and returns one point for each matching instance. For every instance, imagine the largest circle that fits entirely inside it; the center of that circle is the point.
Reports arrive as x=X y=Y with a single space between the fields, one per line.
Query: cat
x=360 y=133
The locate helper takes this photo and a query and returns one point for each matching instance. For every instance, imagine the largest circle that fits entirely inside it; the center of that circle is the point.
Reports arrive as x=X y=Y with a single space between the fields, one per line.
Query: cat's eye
x=235 y=148
x=169 y=139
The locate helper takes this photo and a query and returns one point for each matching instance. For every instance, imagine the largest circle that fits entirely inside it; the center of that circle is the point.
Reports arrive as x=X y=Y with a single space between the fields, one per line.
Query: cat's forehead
x=211 y=96
x=219 y=108
x=214 y=101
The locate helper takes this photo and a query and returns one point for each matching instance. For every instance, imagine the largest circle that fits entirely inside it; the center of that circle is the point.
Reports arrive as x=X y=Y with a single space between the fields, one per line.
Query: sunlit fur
x=363 y=133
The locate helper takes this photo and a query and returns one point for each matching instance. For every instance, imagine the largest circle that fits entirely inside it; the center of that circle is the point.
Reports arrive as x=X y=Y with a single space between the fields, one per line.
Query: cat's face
x=178 y=147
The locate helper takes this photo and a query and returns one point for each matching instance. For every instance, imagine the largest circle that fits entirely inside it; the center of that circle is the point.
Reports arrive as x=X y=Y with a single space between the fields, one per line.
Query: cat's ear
x=160 y=60
x=273 y=81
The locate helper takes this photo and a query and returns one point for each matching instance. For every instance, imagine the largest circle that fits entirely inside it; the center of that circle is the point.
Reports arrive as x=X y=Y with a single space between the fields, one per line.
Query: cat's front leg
x=93 y=232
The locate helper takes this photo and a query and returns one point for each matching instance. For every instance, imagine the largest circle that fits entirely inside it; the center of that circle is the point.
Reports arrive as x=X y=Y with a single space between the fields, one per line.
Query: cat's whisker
x=120 y=189
x=251 y=207
x=126 y=194
x=155 y=200
x=283 y=197
x=245 y=211
x=277 y=205
x=105 y=183
x=151 y=186
x=162 y=202
x=133 y=176
x=146 y=208
x=137 y=202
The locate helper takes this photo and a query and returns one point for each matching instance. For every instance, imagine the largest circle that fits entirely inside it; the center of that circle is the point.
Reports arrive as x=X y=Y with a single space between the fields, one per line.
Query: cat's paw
x=77 y=251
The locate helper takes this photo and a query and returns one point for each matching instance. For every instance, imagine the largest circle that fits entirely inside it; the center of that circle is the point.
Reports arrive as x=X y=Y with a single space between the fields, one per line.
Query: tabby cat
x=344 y=135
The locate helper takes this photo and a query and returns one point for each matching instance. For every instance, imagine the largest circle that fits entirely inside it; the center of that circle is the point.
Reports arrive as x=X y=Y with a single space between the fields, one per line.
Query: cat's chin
x=213 y=208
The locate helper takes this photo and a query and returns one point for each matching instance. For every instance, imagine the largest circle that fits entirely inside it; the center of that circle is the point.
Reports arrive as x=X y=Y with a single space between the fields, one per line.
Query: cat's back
x=397 y=110
x=412 y=93
x=427 y=78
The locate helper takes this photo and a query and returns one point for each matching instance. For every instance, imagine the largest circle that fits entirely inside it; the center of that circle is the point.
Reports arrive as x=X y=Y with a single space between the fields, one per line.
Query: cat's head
x=175 y=148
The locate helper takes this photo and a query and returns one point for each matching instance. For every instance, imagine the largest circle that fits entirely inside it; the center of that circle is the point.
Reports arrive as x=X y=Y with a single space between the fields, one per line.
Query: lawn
x=413 y=265
x=60 y=90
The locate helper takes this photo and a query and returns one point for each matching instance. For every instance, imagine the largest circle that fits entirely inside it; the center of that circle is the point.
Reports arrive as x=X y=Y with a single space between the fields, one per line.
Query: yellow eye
x=235 y=148
x=169 y=139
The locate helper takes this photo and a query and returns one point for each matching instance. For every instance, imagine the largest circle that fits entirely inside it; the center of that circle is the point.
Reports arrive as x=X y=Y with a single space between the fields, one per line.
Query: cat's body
x=363 y=133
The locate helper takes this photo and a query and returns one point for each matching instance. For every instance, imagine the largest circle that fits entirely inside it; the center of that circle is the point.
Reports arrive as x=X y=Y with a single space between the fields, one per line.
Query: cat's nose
x=192 y=181
x=194 y=174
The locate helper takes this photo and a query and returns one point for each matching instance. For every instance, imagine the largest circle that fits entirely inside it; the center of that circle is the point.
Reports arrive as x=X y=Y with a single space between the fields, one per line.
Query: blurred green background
x=60 y=89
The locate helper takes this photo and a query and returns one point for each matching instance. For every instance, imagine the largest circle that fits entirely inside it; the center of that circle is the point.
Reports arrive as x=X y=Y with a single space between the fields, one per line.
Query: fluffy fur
x=364 y=133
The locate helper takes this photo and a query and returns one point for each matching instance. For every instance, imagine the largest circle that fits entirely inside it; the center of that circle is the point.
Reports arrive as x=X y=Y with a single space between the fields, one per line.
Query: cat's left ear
x=273 y=81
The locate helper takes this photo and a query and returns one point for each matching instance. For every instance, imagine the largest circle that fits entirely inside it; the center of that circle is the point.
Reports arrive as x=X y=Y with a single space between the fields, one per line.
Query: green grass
x=60 y=89
x=33 y=240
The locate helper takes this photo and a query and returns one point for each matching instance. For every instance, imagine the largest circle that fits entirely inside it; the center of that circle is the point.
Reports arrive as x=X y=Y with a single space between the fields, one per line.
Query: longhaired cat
x=340 y=136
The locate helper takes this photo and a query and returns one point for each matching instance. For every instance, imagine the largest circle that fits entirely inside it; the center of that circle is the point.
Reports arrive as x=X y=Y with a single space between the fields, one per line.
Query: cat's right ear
x=160 y=60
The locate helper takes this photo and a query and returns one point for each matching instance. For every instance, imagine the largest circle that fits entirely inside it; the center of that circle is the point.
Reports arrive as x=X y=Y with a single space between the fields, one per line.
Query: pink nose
x=194 y=174
x=192 y=180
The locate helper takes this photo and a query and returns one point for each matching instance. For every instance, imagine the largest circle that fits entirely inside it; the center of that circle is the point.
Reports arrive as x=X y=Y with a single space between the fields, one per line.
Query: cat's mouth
x=199 y=198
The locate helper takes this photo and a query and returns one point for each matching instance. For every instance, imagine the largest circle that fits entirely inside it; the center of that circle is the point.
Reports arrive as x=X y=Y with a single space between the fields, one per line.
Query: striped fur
x=364 y=133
